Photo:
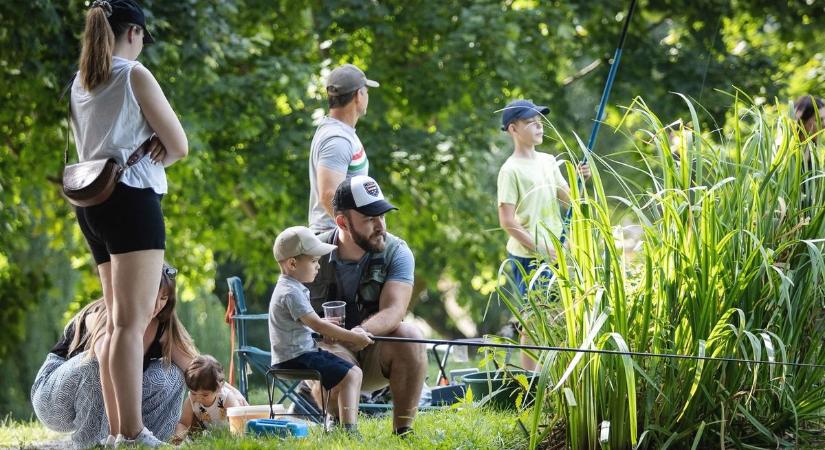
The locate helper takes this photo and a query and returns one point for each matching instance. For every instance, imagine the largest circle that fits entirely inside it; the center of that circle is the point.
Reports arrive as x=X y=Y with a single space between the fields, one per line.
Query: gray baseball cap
x=346 y=79
x=296 y=241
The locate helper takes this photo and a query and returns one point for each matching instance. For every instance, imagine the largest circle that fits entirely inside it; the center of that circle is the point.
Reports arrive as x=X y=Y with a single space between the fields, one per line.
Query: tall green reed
x=730 y=264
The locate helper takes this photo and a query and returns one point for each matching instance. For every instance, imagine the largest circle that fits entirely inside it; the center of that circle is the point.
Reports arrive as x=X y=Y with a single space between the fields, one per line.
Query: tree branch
x=583 y=72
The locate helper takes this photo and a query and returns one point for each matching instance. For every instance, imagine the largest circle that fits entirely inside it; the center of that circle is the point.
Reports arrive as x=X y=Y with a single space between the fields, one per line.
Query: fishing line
x=707 y=63
x=590 y=350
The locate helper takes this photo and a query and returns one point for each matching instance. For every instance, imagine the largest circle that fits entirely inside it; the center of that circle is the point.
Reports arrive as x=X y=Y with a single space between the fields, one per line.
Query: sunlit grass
x=21 y=434
x=468 y=428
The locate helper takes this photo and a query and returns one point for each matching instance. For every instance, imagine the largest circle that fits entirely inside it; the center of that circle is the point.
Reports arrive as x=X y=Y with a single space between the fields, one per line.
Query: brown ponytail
x=96 y=54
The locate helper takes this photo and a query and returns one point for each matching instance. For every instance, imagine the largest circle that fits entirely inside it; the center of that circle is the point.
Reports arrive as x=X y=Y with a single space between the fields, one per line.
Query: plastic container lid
x=235 y=411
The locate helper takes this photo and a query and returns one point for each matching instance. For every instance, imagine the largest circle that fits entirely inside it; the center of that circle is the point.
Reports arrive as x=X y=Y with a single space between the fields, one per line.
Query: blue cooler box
x=277 y=427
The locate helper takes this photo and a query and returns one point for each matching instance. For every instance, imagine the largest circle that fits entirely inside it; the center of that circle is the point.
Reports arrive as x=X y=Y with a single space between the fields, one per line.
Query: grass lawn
x=15 y=434
x=468 y=428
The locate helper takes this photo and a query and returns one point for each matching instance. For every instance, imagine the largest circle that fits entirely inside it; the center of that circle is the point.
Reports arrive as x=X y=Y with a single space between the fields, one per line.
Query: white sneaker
x=145 y=438
x=109 y=442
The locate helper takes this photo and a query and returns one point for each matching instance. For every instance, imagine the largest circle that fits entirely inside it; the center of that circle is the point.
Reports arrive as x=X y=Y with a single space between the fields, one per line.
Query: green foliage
x=245 y=76
x=730 y=265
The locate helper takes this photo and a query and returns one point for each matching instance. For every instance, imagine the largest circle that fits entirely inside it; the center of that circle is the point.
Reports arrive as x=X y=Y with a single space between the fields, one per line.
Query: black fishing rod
x=485 y=343
x=608 y=86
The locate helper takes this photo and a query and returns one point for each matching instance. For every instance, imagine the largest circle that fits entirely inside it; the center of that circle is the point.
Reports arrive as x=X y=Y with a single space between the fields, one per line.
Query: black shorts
x=332 y=368
x=130 y=220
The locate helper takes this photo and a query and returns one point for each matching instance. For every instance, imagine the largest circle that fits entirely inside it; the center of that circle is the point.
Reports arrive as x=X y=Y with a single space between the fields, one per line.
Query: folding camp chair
x=279 y=378
x=255 y=359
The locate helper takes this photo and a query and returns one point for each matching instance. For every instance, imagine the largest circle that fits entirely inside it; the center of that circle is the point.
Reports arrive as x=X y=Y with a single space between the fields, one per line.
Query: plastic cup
x=240 y=415
x=335 y=310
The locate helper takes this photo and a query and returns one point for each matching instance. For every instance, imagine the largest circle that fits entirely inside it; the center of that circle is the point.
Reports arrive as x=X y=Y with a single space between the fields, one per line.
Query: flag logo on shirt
x=359 y=161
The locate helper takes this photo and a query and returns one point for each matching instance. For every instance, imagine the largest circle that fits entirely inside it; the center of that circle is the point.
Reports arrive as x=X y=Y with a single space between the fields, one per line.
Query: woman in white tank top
x=116 y=105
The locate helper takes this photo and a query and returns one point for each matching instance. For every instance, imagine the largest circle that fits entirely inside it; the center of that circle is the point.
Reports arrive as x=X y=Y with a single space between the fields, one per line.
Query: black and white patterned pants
x=67 y=397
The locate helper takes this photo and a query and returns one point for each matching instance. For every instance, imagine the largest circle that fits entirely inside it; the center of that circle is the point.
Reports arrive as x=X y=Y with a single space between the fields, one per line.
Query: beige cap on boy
x=296 y=241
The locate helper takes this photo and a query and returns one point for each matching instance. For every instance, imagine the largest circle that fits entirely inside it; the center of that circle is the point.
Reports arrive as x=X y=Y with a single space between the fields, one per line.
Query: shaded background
x=246 y=78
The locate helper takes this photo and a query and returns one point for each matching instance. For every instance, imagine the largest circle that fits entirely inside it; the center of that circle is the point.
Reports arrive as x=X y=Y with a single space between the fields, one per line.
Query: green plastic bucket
x=499 y=389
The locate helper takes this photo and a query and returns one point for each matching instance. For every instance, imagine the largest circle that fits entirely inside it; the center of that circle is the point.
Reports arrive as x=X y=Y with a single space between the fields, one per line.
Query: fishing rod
x=485 y=343
x=611 y=75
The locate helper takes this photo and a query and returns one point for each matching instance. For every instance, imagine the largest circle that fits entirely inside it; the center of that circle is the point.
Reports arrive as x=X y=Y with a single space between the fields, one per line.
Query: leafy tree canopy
x=246 y=78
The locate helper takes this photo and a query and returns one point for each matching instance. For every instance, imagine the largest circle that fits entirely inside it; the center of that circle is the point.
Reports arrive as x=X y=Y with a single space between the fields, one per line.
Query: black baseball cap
x=125 y=11
x=521 y=109
x=362 y=194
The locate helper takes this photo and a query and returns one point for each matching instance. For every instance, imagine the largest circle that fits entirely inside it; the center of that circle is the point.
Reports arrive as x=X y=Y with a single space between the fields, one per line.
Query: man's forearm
x=383 y=322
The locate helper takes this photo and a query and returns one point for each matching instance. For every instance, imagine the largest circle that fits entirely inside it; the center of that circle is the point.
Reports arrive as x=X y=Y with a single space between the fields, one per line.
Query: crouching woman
x=66 y=394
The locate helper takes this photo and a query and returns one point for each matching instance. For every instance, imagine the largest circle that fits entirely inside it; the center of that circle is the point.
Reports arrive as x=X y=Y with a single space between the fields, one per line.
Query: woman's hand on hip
x=157 y=151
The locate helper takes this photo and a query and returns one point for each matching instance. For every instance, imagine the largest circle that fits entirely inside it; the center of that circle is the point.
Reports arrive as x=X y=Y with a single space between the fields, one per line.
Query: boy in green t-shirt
x=530 y=186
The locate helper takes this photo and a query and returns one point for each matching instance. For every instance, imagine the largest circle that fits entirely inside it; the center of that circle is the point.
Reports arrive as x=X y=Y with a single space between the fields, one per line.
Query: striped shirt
x=336 y=147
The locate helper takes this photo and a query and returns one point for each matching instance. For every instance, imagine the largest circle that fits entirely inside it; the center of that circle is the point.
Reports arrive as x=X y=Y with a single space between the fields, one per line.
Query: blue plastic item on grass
x=277 y=427
x=447 y=395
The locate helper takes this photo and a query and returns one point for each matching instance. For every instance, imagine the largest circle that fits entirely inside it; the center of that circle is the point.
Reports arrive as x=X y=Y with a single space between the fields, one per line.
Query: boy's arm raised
x=563 y=192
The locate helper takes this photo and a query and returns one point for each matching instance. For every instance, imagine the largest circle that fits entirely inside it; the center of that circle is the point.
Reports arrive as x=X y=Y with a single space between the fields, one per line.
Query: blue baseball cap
x=521 y=109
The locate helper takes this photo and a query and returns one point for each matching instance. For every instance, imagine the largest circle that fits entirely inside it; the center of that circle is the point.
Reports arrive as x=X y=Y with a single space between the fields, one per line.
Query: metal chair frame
x=251 y=358
x=279 y=378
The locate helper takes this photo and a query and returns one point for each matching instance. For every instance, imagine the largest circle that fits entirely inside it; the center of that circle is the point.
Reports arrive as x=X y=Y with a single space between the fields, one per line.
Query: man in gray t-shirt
x=336 y=153
x=372 y=271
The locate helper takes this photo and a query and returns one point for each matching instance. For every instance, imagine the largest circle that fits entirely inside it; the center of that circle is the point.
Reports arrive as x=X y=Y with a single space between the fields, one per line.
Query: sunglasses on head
x=170 y=272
